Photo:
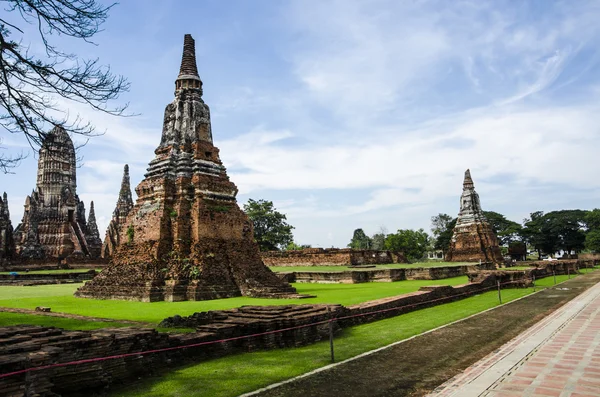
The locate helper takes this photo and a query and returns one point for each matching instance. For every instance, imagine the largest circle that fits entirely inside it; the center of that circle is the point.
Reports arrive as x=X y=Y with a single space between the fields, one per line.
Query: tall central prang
x=186 y=238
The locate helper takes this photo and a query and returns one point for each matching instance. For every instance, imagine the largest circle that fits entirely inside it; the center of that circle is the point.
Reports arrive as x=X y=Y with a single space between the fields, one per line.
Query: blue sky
x=351 y=114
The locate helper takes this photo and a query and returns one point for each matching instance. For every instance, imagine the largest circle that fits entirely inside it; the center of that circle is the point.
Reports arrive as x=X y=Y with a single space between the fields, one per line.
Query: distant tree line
x=545 y=233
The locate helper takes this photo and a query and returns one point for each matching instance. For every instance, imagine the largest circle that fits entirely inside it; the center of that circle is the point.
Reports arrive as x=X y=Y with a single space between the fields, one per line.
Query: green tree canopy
x=271 y=231
x=556 y=230
x=442 y=227
x=506 y=230
x=360 y=241
x=413 y=243
x=592 y=239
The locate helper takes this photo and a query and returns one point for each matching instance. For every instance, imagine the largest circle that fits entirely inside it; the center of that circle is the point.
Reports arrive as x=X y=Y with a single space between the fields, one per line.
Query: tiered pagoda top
x=470 y=206
x=56 y=176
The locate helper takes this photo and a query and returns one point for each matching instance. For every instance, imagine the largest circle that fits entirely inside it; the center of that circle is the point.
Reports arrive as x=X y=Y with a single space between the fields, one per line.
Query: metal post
x=554 y=273
x=568 y=272
x=499 y=294
x=331 y=335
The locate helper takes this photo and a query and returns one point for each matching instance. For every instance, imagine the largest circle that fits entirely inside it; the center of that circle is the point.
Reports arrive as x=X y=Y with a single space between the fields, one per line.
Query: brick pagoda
x=186 y=238
x=53 y=224
x=122 y=209
x=473 y=239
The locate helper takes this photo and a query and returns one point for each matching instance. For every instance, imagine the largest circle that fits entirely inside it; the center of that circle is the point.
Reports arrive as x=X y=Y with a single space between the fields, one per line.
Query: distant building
x=53 y=224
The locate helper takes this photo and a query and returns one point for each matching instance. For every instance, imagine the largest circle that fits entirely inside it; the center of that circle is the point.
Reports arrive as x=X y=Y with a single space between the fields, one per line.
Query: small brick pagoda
x=186 y=238
x=7 y=243
x=53 y=224
x=122 y=209
x=473 y=239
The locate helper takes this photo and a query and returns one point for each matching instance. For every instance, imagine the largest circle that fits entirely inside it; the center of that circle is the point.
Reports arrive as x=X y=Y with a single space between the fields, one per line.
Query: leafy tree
x=506 y=230
x=439 y=224
x=271 y=231
x=30 y=85
x=360 y=241
x=378 y=239
x=556 y=230
x=442 y=227
x=592 y=239
x=413 y=243
x=296 y=247
x=442 y=242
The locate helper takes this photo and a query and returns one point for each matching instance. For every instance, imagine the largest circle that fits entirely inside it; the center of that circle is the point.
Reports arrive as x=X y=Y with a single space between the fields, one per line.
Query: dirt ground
x=418 y=366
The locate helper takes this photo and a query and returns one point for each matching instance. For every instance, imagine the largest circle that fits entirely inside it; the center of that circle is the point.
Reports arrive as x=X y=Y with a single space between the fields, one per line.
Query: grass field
x=236 y=374
x=60 y=298
x=232 y=375
x=57 y=271
x=346 y=268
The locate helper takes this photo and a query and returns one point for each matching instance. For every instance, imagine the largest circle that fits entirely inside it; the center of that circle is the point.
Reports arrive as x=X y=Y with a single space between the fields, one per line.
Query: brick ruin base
x=331 y=257
x=383 y=275
x=21 y=265
x=24 y=347
x=28 y=279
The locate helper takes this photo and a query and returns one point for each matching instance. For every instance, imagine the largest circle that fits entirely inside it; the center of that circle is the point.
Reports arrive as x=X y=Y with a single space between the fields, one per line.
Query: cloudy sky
x=351 y=114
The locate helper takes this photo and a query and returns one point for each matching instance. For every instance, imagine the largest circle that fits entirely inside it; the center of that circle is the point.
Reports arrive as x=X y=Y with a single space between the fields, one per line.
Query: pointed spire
x=468 y=182
x=188 y=59
x=188 y=72
x=92 y=215
x=125 y=192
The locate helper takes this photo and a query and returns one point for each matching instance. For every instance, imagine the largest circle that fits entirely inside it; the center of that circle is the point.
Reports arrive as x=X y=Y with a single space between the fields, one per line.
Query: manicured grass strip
x=7 y=319
x=241 y=373
x=346 y=268
x=56 y=271
x=60 y=299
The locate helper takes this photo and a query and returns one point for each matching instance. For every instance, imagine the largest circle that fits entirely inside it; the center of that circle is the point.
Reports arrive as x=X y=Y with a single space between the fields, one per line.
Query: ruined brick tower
x=186 y=238
x=473 y=239
x=122 y=209
x=7 y=243
x=53 y=224
x=92 y=236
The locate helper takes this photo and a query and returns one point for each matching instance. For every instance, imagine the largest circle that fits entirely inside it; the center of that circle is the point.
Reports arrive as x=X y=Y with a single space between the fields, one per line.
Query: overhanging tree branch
x=30 y=85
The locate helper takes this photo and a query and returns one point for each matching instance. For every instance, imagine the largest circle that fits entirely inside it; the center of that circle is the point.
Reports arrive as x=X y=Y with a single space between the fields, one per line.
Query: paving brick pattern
x=565 y=365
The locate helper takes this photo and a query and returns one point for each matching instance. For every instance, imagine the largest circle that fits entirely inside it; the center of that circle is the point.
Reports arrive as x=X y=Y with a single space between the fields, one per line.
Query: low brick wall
x=28 y=279
x=22 y=265
x=383 y=275
x=330 y=257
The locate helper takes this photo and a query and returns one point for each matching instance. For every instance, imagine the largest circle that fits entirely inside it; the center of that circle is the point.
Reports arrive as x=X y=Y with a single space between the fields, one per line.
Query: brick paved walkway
x=558 y=357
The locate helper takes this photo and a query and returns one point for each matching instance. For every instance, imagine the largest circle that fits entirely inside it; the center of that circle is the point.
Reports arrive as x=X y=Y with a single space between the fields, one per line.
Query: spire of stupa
x=188 y=72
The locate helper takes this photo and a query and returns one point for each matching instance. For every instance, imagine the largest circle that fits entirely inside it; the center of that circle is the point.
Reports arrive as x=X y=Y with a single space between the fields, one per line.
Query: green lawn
x=241 y=373
x=60 y=298
x=7 y=319
x=52 y=271
x=346 y=268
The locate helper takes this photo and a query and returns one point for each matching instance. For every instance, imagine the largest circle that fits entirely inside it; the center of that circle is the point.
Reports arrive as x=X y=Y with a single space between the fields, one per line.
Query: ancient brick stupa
x=186 y=238
x=7 y=243
x=53 y=224
x=473 y=239
x=122 y=209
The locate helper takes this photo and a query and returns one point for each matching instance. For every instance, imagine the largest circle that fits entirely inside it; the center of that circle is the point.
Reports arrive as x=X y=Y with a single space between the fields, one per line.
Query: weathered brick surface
x=186 y=238
x=383 y=275
x=473 y=239
x=331 y=257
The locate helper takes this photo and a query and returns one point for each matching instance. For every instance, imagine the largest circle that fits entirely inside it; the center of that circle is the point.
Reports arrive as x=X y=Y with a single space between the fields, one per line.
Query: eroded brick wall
x=330 y=257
